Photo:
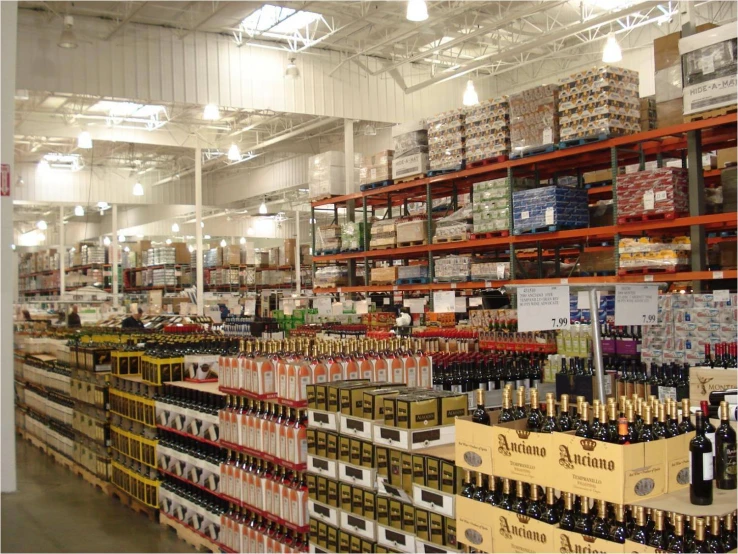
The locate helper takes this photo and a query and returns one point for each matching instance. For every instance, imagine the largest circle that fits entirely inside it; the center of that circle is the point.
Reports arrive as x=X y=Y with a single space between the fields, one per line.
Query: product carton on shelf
x=563 y=207
x=487 y=130
x=658 y=191
x=376 y=168
x=410 y=143
x=380 y=275
x=703 y=380
x=512 y=532
x=446 y=137
x=569 y=541
x=326 y=175
x=475 y=522
x=534 y=118
x=412 y=231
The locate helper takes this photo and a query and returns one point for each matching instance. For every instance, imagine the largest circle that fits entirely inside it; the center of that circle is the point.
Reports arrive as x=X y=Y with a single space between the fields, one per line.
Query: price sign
x=337 y=308
x=416 y=305
x=721 y=295
x=249 y=306
x=549 y=216
x=648 y=199
x=444 y=301
x=636 y=305
x=460 y=306
x=543 y=308
x=361 y=307
x=323 y=305
x=288 y=305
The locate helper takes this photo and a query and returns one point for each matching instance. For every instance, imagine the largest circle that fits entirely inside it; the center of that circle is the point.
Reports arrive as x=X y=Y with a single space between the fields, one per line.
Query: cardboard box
x=474 y=521
x=411 y=164
x=436 y=528
x=346 y=496
x=703 y=380
x=566 y=541
x=726 y=156
x=669 y=113
x=513 y=532
x=618 y=474
x=422 y=529
x=677 y=456
x=474 y=445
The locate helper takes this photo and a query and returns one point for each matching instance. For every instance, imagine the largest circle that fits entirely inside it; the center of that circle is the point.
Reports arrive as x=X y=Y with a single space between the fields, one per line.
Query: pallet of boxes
x=381 y=471
x=410 y=142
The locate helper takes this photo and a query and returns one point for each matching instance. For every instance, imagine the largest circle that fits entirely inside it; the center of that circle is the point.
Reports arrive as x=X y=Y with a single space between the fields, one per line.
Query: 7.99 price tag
x=636 y=304
x=543 y=308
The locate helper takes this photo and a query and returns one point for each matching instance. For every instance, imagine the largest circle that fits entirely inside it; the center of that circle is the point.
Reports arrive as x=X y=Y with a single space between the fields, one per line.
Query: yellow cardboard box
x=513 y=532
x=568 y=542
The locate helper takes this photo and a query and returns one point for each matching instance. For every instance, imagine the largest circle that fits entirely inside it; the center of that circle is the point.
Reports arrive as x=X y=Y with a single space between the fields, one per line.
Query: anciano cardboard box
x=567 y=542
x=513 y=532
x=619 y=474
x=677 y=459
x=521 y=455
x=474 y=445
x=474 y=522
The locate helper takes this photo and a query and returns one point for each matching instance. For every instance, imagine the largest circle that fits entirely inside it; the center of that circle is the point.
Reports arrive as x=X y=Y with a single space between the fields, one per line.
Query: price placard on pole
x=543 y=308
x=444 y=301
x=323 y=305
x=636 y=304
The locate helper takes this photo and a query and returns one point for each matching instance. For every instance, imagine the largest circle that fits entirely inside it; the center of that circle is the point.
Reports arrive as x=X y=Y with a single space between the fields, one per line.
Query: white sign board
x=444 y=301
x=474 y=302
x=636 y=304
x=288 y=306
x=416 y=305
x=461 y=305
x=249 y=305
x=721 y=295
x=361 y=306
x=543 y=308
x=337 y=308
x=323 y=305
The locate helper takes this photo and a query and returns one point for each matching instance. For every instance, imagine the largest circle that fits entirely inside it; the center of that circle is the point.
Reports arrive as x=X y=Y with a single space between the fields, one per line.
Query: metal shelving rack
x=684 y=141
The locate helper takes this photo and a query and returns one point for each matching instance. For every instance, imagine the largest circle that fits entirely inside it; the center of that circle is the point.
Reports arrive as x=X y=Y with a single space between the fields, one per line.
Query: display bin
x=549 y=209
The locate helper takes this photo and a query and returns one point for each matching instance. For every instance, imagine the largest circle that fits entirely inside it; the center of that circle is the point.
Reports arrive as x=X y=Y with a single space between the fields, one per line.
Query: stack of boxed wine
x=381 y=471
x=630 y=477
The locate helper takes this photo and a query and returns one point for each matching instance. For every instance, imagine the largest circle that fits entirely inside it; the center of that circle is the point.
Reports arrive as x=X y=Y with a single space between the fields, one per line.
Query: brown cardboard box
x=345 y=496
x=357 y=501
x=436 y=526
x=704 y=380
x=598 y=176
x=474 y=521
x=231 y=255
x=383 y=510
x=669 y=113
x=406 y=460
x=181 y=253
x=666 y=49
x=513 y=532
x=474 y=445
x=421 y=524
x=566 y=541
x=677 y=456
x=728 y=255
x=344 y=542
x=332 y=492
x=289 y=252
x=611 y=472
x=521 y=455
x=725 y=156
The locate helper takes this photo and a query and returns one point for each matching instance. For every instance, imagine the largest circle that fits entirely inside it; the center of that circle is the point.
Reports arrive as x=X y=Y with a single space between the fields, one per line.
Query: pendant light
x=84 y=140
x=263 y=207
x=121 y=238
x=417 y=10
x=175 y=228
x=292 y=71
x=242 y=240
x=211 y=113
x=471 y=98
x=106 y=241
x=79 y=211
x=223 y=243
x=168 y=241
x=612 y=52
x=42 y=225
x=138 y=189
x=234 y=154
x=68 y=39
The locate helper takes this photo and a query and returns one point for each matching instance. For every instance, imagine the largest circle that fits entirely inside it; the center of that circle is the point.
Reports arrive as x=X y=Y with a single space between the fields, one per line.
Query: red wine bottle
x=700 y=465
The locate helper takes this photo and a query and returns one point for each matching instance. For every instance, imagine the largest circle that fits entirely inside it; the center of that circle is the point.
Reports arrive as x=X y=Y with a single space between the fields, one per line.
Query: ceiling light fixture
x=292 y=71
x=121 y=238
x=191 y=248
x=126 y=249
x=612 y=52
x=103 y=205
x=234 y=154
x=202 y=224
x=106 y=241
x=211 y=113
x=168 y=241
x=79 y=211
x=175 y=228
x=471 y=98
x=417 y=10
x=138 y=189
x=223 y=243
x=42 y=225
x=67 y=39
x=263 y=207
x=84 y=140
x=41 y=237
x=242 y=240
x=370 y=130
x=207 y=237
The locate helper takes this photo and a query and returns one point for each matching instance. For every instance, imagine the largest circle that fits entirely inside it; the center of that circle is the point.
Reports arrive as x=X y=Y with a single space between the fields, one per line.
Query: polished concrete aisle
x=56 y=511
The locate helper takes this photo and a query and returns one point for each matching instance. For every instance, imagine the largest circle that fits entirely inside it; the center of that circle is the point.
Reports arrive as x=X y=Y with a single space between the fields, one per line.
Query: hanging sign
x=543 y=308
x=636 y=304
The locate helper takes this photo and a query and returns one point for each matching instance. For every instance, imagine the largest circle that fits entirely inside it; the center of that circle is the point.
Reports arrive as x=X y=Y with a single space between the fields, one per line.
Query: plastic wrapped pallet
x=562 y=207
x=328 y=239
x=490 y=271
x=446 y=135
x=410 y=143
x=331 y=276
x=326 y=174
x=487 y=130
x=418 y=271
x=599 y=102
x=659 y=192
x=654 y=253
x=491 y=204
x=452 y=268
x=534 y=119
x=383 y=275
x=376 y=168
x=412 y=230
x=455 y=226
x=383 y=233
x=352 y=236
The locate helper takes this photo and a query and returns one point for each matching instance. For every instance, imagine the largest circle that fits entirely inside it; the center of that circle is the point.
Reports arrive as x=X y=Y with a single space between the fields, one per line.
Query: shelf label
x=721 y=295
x=660 y=195
x=564 y=281
x=636 y=304
x=648 y=278
x=500 y=271
x=444 y=301
x=488 y=284
x=453 y=286
x=718 y=275
x=340 y=290
x=548 y=135
x=543 y=308
x=524 y=215
x=395 y=288
x=475 y=302
x=648 y=199
x=549 y=216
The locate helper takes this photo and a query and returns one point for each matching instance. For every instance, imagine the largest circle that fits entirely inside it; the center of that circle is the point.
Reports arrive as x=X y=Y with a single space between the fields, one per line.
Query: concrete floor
x=56 y=511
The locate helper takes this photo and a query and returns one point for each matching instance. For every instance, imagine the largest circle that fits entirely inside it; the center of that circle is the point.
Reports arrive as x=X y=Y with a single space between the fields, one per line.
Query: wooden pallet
x=570 y=143
x=533 y=151
x=409 y=178
x=383 y=247
x=455 y=238
x=489 y=161
x=647 y=270
x=382 y=283
x=664 y=216
x=717 y=112
x=134 y=504
x=186 y=533
x=490 y=235
x=411 y=243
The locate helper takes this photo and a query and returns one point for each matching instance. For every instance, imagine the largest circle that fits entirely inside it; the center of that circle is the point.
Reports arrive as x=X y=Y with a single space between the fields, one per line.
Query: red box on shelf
x=654 y=194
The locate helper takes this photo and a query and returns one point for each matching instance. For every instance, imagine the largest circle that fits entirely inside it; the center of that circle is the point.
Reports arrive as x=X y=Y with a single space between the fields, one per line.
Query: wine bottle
x=583 y=429
x=467 y=490
x=493 y=498
x=729 y=395
x=519 y=504
x=549 y=422
x=550 y=513
x=623 y=435
x=564 y=422
x=646 y=433
x=519 y=411
x=618 y=532
x=602 y=430
x=714 y=539
x=725 y=452
x=578 y=414
x=600 y=525
x=729 y=539
x=480 y=415
x=640 y=533
x=686 y=426
x=700 y=465
x=505 y=498
x=656 y=537
x=699 y=544
x=612 y=423
x=534 y=509
x=595 y=410
x=632 y=432
x=480 y=492
x=659 y=428
x=506 y=415
x=709 y=427
x=676 y=544
x=567 y=515
x=535 y=417
x=583 y=519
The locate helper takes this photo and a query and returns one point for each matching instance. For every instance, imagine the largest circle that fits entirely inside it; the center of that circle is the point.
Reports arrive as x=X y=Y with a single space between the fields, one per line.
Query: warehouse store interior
x=368 y=276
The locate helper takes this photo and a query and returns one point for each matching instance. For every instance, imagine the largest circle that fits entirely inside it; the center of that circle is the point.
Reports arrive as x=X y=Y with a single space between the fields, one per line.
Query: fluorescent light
x=370 y=130
x=234 y=154
x=106 y=241
x=175 y=228
x=242 y=240
x=12 y=246
x=121 y=238
x=612 y=52
x=211 y=113
x=223 y=243
x=471 y=97
x=207 y=237
x=249 y=231
x=138 y=189
x=67 y=38
x=41 y=237
x=263 y=208
x=417 y=10
x=41 y=225
x=84 y=140
x=168 y=241
x=79 y=211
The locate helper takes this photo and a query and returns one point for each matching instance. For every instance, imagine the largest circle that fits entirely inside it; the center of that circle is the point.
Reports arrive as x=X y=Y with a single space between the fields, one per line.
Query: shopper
x=133 y=321
x=73 y=319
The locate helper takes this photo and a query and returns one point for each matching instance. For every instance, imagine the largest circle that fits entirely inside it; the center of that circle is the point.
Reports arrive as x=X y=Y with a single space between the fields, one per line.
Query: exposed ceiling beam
x=126 y=20
x=568 y=31
x=205 y=19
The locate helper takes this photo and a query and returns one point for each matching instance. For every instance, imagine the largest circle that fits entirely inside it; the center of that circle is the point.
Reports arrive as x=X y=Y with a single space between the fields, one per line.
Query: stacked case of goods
x=352 y=236
x=410 y=143
x=376 y=168
x=597 y=103
x=446 y=136
x=550 y=208
x=544 y=481
x=327 y=174
x=660 y=193
x=534 y=120
x=487 y=130
x=454 y=227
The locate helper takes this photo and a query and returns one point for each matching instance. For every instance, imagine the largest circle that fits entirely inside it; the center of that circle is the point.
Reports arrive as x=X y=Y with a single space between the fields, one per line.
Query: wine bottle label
x=711 y=437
